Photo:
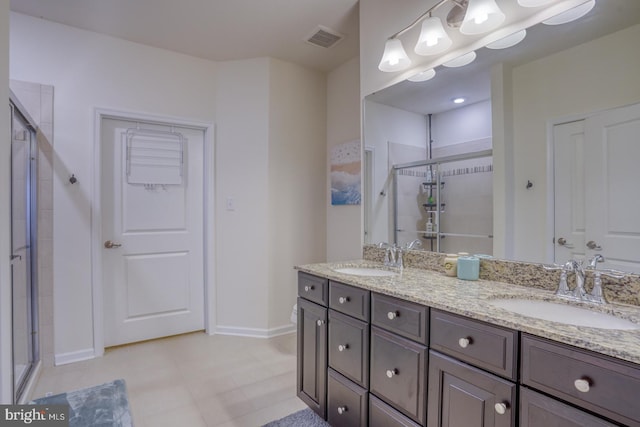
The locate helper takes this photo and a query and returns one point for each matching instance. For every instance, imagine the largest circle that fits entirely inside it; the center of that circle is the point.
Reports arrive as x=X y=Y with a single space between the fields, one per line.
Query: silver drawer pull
x=501 y=408
x=392 y=373
x=343 y=300
x=308 y=288
x=320 y=322
x=342 y=410
x=582 y=385
x=392 y=315
x=343 y=347
x=464 y=342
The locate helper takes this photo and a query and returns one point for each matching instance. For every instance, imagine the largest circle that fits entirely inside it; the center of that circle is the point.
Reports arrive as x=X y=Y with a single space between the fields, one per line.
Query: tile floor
x=193 y=380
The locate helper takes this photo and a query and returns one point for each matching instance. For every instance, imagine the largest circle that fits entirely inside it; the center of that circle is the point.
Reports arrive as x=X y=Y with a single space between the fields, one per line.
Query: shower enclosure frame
x=20 y=113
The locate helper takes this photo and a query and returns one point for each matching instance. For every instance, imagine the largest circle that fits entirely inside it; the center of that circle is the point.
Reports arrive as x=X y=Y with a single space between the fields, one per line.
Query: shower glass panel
x=22 y=247
x=446 y=203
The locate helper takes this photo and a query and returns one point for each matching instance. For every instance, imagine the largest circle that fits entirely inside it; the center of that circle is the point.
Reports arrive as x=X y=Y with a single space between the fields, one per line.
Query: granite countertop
x=472 y=299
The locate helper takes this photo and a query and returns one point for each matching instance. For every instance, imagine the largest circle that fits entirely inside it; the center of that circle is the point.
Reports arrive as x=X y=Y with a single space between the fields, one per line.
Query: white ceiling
x=219 y=30
x=473 y=81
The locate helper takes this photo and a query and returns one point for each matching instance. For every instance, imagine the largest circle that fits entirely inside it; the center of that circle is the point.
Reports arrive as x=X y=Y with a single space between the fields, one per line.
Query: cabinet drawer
x=349 y=347
x=347 y=402
x=404 y=318
x=461 y=395
x=489 y=347
x=610 y=387
x=313 y=288
x=349 y=300
x=383 y=415
x=537 y=410
x=398 y=373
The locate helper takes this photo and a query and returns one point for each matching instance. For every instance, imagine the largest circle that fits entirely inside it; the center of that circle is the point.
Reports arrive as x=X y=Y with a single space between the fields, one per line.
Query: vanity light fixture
x=423 y=76
x=394 y=57
x=508 y=41
x=470 y=16
x=461 y=60
x=433 y=38
x=482 y=16
x=571 y=14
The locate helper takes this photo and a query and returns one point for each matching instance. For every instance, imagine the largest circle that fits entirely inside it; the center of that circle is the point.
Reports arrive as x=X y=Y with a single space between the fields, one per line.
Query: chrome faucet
x=392 y=255
x=413 y=244
x=578 y=293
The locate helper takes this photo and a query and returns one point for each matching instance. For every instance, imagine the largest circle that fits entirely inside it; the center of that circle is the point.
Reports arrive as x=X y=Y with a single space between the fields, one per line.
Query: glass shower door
x=21 y=252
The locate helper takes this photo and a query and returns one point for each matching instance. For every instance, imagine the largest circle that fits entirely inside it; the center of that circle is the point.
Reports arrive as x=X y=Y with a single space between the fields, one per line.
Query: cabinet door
x=537 y=410
x=398 y=372
x=348 y=347
x=463 y=396
x=312 y=355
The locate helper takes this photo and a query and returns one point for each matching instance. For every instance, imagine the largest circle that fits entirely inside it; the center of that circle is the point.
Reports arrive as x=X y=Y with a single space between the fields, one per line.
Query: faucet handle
x=593 y=262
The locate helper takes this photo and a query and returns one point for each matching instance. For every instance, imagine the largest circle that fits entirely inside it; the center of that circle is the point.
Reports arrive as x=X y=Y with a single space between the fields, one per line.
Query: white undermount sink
x=564 y=313
x=365 y=271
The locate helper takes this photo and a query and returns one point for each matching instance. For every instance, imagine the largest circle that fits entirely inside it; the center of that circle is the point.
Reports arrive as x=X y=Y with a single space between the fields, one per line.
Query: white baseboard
x=255 y=332
x=74 y=356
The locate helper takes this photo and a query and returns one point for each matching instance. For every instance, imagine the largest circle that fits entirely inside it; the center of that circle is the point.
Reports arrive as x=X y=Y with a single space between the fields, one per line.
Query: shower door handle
x=15 y=257
x=110 y=245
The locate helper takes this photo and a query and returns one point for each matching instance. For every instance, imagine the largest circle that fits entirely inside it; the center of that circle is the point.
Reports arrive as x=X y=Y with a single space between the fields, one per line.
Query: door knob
x=563 y=242
x=110 y=245
x=593 y=246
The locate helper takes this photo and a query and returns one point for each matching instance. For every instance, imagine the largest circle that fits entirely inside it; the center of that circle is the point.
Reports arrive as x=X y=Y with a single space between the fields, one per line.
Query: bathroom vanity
x=423 y=349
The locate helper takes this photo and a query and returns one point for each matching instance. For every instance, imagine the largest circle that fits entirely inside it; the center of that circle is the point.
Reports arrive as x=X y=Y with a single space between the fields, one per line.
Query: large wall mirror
x=560 y=112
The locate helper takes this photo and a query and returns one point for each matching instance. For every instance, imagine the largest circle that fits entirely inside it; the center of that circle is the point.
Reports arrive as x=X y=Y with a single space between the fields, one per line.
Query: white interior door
x=152 y=227
x=569 y=191
x=612 y=179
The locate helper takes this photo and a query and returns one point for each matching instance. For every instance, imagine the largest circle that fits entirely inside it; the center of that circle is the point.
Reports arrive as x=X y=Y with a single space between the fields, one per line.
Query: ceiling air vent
x=324 y=37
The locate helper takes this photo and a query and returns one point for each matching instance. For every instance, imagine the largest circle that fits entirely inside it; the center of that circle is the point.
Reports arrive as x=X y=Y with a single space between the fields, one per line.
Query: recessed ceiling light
x=461 y=61
x=423 y=76
x=458 y=100
x=571 y=14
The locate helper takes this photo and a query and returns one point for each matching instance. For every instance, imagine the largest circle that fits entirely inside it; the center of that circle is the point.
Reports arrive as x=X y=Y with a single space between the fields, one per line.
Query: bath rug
x=303 y=418
x=104 y=405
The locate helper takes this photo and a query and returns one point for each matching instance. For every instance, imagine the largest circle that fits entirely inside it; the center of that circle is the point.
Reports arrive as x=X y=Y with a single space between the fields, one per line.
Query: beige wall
x=6 y=386
x=296 y=176
x=344 y=223
x=270 y=124
x=595 y=76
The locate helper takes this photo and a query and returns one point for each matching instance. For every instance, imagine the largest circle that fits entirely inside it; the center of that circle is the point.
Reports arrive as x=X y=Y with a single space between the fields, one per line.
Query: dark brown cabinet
x=538 y=410
x=480 y=344
x=349 y=347
x=312 y=355
x=368 y=359
x=399 y=372
x=599 y=384
x=348 y=402
x=463 y=396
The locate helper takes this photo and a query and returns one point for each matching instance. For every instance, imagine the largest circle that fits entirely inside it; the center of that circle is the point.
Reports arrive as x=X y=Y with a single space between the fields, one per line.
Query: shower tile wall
x=38 y=101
